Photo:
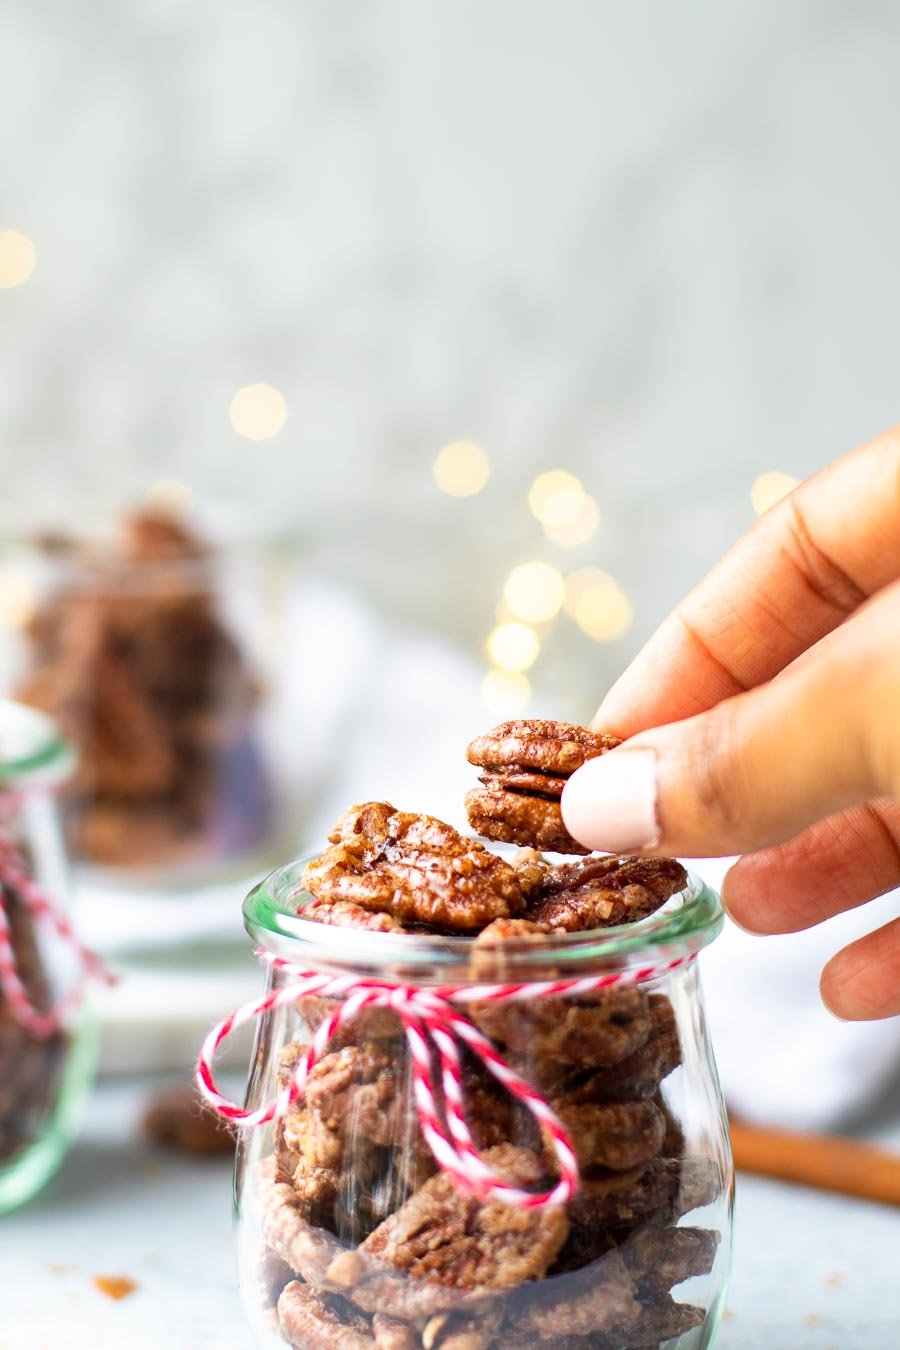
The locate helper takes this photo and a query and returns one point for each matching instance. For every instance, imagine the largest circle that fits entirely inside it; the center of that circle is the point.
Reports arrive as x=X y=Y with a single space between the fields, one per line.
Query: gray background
x=652 y=243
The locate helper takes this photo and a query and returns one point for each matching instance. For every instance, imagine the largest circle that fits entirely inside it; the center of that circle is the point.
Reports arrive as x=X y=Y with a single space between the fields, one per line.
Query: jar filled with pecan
x=483 y=1109
x=47 y=1036
x=141 y=638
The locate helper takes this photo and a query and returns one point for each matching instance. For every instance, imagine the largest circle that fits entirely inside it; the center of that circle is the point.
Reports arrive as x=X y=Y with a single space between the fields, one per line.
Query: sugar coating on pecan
x=519 y=818
x=357 y=1090
x=313 y=1321
x=414 y=867
x=637 y=1076
x=346 y=914
x=659 y=1324
x=665 y=1188
x=600 y=891
x=618 y=1136
x=473 y=1329
x=599 y=1298
x=526 y=765
x=442 y=1248
x=598 y=1029
x=307 y=1249
x=659 y=1258
x=390 y=1334
x=555 y=748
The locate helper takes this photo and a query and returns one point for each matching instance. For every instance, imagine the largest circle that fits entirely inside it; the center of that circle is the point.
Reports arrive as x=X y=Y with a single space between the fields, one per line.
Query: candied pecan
x=664 y=1188
x=617 y=1136
x=356 y=1091
x=470 y=1330
x=178 y=1118
x=597 y=1298
x=414 y=867
x=658 y=1258
x=601 y=1028
x=136 y=665
x=372 y=1024
x=519 y=818
x=30 y=1069
x=314 y=1321
x=658 y=1324
x=307 y=1249
x=442 y=1249
x=393 y=1335
x=637 y=1076
x=526 y=766
x=270 y=1275
x=602 y=891
x=346 y=914
x=555 y=748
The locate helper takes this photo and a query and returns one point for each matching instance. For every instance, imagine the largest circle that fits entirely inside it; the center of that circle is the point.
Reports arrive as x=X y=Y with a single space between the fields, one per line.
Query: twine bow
x=435 y=1031
x=15 y=878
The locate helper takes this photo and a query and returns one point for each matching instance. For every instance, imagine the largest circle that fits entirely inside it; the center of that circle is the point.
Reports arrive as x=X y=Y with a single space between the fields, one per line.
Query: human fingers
x=835 y=865
x=758 y=768
x=803 y=567
x=861 y=982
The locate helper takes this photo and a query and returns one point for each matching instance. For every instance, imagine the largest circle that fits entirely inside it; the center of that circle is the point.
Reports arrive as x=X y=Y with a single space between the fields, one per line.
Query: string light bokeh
x=258 y=411
x=18 y=256
x=461 y=469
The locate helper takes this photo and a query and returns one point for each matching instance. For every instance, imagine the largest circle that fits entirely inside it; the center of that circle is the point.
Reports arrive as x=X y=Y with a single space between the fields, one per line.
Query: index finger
x=791 y=579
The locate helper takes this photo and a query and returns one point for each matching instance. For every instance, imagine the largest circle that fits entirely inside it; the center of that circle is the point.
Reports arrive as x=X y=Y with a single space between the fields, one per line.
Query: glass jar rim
x=32 y=751
x=273 y=917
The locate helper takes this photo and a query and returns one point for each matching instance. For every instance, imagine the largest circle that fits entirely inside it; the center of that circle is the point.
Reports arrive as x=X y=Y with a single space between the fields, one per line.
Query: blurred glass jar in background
x=47 y=1035
x=348 y=1234
x=142 y=638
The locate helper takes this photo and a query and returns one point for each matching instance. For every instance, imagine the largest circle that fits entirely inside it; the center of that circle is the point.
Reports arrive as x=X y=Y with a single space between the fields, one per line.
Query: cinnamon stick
x=828 y=1162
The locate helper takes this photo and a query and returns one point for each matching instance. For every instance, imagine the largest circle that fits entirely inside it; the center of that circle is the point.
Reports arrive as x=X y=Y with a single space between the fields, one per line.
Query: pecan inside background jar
x=44 y=1075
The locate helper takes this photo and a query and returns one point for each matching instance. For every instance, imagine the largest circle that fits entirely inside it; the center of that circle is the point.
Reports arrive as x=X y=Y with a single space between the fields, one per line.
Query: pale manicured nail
x=610 y=802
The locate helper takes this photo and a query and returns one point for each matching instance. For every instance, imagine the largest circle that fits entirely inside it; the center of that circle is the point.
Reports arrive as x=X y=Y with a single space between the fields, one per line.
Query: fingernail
x=610 y=802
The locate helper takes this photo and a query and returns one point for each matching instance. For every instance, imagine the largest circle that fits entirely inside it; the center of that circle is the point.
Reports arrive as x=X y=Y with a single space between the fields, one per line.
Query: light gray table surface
x=811 y=1271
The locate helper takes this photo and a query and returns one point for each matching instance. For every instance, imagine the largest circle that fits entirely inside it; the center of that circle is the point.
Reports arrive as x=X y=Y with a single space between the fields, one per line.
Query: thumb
x=758 y=768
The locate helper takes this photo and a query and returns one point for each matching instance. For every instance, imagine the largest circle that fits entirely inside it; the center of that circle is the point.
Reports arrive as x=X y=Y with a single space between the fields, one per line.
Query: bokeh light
x=258 y=411
x=769 y=488
x=171 y=496
x=555 y=497
x=598 y=605
x=461 y=469
x=579 y=529
x=534 y=591
x=17 y=599
x=506 y=692
x=18 y=256
x=513 y=646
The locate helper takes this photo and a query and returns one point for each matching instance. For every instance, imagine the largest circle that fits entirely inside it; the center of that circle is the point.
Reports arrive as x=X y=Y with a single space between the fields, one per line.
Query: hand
x=764 y=719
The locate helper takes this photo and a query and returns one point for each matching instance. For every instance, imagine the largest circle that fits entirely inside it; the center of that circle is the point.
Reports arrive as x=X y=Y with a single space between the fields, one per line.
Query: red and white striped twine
x=434 y=1030
x=15 y=877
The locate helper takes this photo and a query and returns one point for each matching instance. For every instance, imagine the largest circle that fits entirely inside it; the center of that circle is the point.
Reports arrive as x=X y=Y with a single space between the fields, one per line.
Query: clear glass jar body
x=347 y=1229
x=147 y=644
x=44 y=1078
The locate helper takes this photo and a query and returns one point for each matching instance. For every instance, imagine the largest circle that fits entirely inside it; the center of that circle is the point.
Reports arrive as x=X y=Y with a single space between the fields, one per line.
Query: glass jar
x=143 y=639
x=46 y=1063
x=351 y=1236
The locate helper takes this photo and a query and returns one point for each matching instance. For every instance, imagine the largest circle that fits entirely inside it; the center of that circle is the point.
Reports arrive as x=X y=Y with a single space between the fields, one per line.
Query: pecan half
x=525 y=767
x=414 y=867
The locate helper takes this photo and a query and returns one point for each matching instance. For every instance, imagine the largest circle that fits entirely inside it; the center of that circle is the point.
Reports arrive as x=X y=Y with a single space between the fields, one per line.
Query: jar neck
x=32 y=752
